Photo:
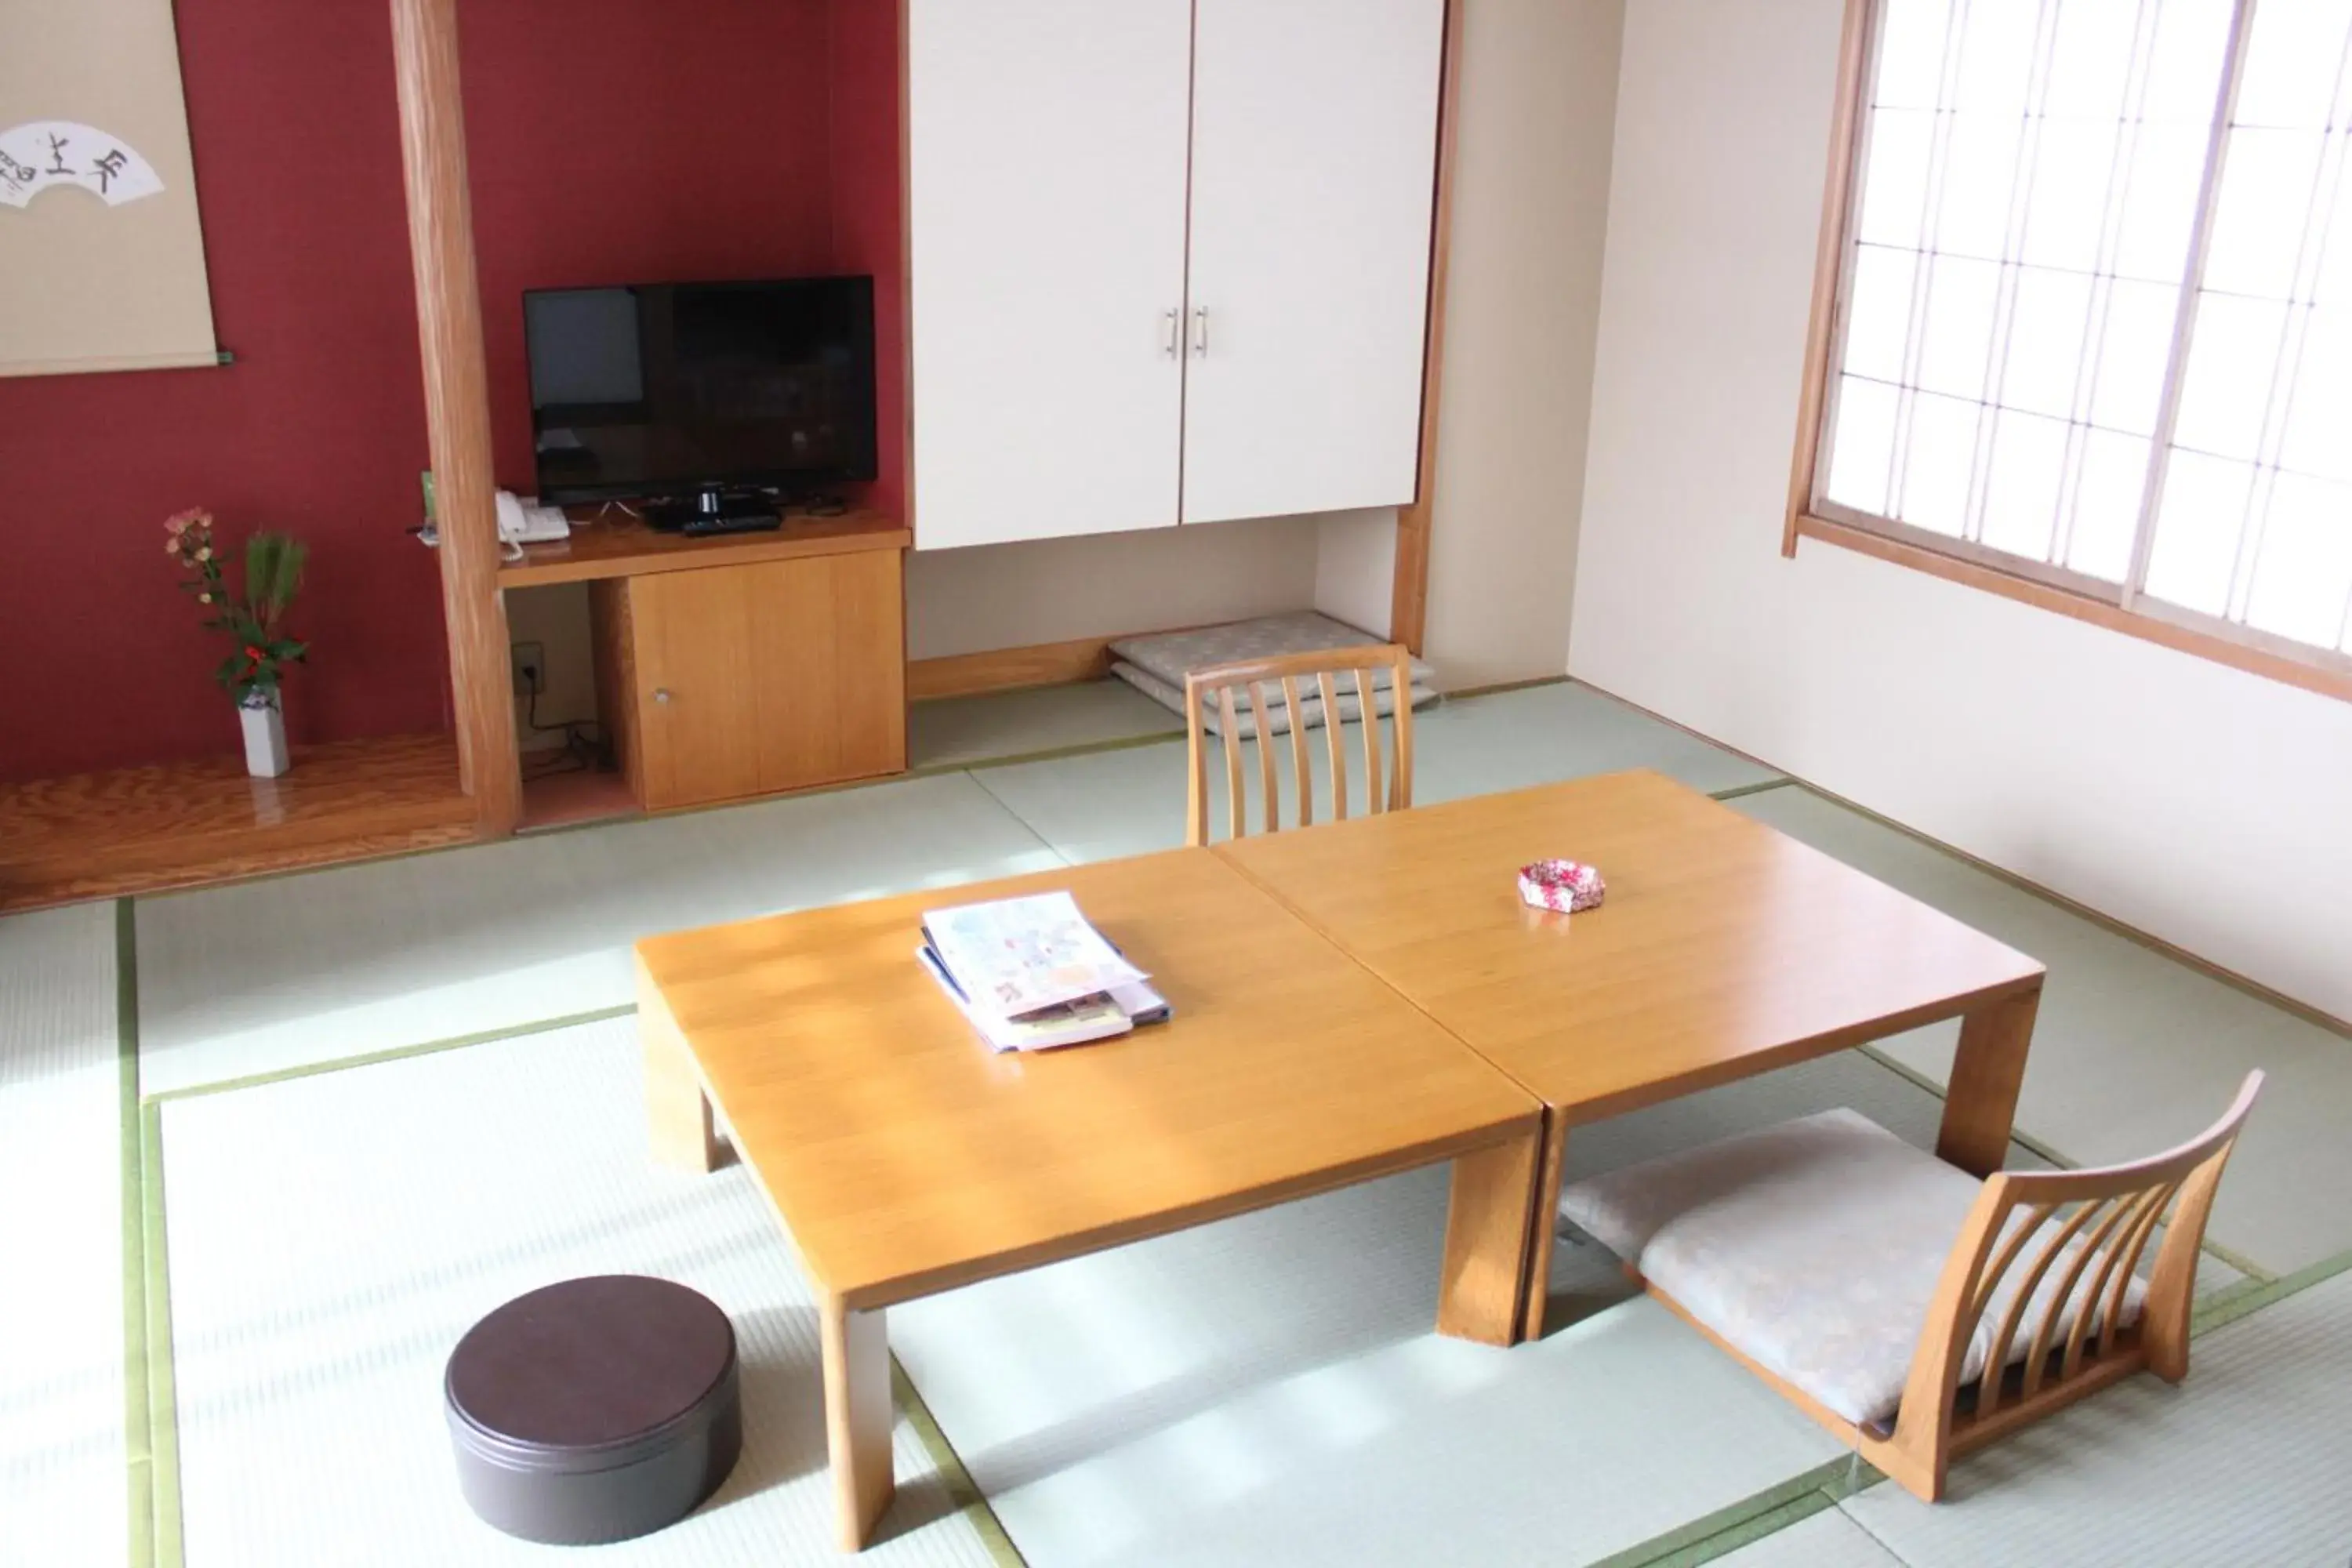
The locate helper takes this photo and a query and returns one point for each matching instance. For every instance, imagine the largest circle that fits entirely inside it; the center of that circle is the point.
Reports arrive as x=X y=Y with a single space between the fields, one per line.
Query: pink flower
x=171 y=545
x=206 y=553
x=204 y=598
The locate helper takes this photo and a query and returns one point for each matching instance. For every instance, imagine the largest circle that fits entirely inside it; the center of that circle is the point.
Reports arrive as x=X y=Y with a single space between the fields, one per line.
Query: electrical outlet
x=530 y=667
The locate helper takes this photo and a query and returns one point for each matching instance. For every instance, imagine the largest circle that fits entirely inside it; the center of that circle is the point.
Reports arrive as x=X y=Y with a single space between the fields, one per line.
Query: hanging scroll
x=101 y=253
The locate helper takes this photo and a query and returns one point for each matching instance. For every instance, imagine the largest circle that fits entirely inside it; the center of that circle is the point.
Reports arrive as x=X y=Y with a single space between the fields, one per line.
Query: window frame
x=2123 y=607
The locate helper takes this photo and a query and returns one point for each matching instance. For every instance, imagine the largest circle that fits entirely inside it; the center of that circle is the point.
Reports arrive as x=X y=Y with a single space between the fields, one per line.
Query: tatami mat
x=1265 y=1390
x=63 y=1453
x=956 y=731
x=2132 y=1051
x=1132 y=801
x=2248 y=1460
x=333 y=1236
x=1826 y=1540
x=277 y=974
x=1268 y=1390
x=1508 y=739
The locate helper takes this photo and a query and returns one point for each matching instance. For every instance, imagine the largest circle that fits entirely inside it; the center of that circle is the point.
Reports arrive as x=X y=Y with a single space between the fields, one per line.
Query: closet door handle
x=661 y=695
x=1199 y=331
x=1168 y=339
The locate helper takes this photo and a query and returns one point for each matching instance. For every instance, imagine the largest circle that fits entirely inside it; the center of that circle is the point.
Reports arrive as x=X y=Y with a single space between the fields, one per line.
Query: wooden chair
x=1809 y=1251
x=1324 y=667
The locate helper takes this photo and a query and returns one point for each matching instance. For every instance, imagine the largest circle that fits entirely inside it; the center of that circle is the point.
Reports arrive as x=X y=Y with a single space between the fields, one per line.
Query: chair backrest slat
x=2129 y=1270
x=1388 y=784
x=1298 y=751
x=2092 y=1320
x=1261 y=725
x=1997 y=1359
x=2010 y=1245
x=1328 y=690
x=2119 y=1212
x=1234 y=804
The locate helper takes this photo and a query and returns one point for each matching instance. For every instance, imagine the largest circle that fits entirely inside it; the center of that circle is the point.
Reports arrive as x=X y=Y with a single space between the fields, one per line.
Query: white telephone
x=521 y=523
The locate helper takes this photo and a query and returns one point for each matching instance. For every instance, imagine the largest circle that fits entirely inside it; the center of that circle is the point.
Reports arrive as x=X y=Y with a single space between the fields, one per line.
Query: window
x=2092 y=326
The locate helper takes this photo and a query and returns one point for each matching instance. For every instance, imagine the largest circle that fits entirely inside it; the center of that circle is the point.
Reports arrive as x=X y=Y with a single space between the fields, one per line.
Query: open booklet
x=1032 y=973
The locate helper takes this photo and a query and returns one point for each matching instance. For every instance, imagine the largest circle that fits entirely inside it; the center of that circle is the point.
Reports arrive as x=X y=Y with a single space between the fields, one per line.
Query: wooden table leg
x=858 y=1420
x=1980 y=1106
x=685 y=1131
x=1543 y=1225
x=1485 y=1240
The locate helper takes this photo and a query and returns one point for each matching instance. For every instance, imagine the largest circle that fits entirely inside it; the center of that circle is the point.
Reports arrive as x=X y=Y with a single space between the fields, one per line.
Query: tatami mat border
x=138 y=1418
x=394 y=1054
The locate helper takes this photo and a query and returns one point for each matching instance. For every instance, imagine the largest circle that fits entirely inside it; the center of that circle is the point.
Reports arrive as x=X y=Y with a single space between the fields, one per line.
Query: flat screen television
x=676 y=391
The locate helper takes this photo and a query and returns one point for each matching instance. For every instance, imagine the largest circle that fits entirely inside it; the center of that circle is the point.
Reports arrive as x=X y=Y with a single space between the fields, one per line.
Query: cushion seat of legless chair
x=1814 y=1247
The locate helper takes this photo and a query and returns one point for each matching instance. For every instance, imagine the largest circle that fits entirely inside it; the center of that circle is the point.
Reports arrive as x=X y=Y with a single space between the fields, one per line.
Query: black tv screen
x=660 y=391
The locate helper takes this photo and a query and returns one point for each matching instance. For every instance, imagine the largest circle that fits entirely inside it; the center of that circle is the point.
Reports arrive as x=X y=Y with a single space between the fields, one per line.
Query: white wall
x=1530 y=204
x=1055 y=590
x=1355 y=568
x=2207 y=807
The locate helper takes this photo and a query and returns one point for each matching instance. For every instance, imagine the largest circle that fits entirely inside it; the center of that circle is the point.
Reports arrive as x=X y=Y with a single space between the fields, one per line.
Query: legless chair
x=1814 y=1252
x=1221 y=681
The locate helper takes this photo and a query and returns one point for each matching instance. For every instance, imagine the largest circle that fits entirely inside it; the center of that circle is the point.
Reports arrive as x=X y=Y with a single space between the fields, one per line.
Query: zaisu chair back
x=1290 y=675
x=2045 y=1261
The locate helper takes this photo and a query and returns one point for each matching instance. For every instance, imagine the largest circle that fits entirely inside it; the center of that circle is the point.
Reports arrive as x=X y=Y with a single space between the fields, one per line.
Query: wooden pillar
x=1409 y=592
x=457 y=405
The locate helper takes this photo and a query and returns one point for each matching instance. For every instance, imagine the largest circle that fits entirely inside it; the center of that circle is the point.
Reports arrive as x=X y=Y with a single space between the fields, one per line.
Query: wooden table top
x=1724 y=947
x=614 y=545
x=906 y=1158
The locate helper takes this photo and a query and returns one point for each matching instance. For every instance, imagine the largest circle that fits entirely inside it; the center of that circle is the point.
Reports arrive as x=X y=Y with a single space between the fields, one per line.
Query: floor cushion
x=1311 y=707
x=1172 y=656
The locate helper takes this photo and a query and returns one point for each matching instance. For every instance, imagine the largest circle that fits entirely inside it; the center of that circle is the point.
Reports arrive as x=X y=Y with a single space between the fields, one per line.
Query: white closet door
x=1314 y=164
x=1046 y=147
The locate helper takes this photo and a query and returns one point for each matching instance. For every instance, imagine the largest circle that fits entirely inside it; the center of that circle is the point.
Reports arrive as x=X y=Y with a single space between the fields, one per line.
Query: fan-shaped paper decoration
x=43 y=154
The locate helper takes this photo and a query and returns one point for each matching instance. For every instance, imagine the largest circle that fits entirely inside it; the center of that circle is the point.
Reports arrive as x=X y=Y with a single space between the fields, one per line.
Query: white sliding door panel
x=1046 y=147
x=1313 y=162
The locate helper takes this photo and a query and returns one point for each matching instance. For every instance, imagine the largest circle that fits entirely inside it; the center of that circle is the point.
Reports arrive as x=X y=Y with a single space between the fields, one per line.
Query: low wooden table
x=1723 y=949
x=906 y=1159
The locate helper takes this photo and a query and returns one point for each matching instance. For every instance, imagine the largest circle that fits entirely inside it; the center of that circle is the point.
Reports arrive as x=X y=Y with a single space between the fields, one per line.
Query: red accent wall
x=610 y=141
x=635 y=142
x=868 y=214
x=318 y=428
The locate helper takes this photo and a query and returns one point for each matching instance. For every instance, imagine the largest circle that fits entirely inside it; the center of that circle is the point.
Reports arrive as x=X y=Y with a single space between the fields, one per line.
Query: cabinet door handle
x=661 y=694
x=1168 y=339
x=1201 y=332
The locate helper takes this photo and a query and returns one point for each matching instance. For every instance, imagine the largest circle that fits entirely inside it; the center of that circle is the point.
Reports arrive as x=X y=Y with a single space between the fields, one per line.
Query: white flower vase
x=264 y=735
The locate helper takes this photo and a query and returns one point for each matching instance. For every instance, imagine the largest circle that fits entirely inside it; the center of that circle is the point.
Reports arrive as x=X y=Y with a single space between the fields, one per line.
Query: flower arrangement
x=252 y=615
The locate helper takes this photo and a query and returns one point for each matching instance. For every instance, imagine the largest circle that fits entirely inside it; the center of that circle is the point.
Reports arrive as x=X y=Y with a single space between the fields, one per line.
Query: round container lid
x=589 y=1364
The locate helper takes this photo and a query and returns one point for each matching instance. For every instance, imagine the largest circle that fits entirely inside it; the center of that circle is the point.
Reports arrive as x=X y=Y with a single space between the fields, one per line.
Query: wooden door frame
x=1409 y=589
x=456 y=406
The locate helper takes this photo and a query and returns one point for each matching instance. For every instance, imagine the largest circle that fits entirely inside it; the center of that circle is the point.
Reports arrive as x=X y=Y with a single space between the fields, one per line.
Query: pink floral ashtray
x=1566 y=886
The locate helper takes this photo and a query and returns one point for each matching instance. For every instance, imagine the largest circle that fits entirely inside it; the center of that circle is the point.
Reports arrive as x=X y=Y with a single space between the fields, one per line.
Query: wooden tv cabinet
x=744 y=665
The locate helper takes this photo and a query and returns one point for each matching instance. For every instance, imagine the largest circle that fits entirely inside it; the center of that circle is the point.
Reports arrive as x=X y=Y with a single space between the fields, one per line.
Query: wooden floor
x=140 y=830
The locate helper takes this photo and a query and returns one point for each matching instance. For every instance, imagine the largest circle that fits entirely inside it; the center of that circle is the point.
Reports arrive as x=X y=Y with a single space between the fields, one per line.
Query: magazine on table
x=1032 y=973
